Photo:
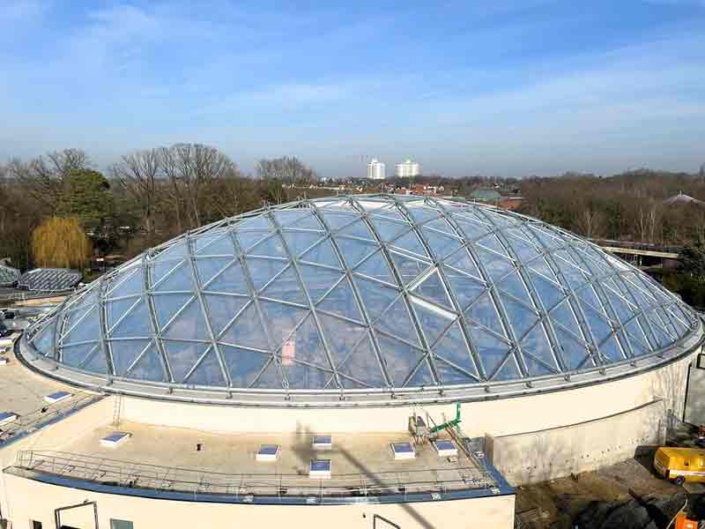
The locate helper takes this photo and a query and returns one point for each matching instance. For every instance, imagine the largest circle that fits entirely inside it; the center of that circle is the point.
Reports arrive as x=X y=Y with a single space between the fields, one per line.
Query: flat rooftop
x=23 y=392
x=164 y=460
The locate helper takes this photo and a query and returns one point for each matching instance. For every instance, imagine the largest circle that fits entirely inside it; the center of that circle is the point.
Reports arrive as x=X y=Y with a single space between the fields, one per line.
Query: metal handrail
x=194 y=481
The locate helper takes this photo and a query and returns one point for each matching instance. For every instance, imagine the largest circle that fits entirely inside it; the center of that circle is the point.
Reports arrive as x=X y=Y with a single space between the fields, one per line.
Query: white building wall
x=376 y=170
x=32 y=500
x=408 y=169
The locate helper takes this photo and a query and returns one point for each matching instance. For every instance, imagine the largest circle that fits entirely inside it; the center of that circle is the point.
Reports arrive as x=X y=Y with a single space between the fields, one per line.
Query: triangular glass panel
x=301 y=376
x=231 y=281
x=432 y=320
x=495 y=266
x=125 y=352
x=208 y=372
x=389 y=211
x=375 y=297
x=548 y=239
x=323 y=253
x=453 y=348
x=541 y=269
x=376 y=266
x=270 y=378
x=318 y=280
x=243 y=365
x=509 y=371
x=258 y=222
x=522 y=248
x=662 y=337
x=75 y=355
x=492 y=350
x=407 y=267
x=116 y=309
x=309 y=222
x=432 y=289
x=422 y=377
x=223 y=309
x=441 y=245
x=354 y=251
x=451 y=375
x=640 y=344
x=270 y=247
x=357 y=229
x=96 y=363
x=176 y=250
x=262 y=271
x=44 y=341
x=179 y=280
x=188 y=325
x=149 y=366
x=127 y=284
x=247 y=331
x=341 y=301
x=203 y=240
x=513 y=285
x=521 y=318
x=300 y=241
x=209 y=267
x=472 y=228
x=611 y=350
x=588 y=298
x=247 y=239
x=363 y=366
x=548 y=292
x=78 y=310
x=136 y=324
x=387 y=229
x=160 y=268
x=281 y=320
x=492 y=242
x=399 y=358
x=222 y=246
x=342 y=336
x=412 y=244
x=563 y=314
x=599 y=327
x=483 y=311
x=88 y=328
x=462 y=261
x=397 y=322
x=573 y=352
x=286 y=287
x=305 y=346
x=285 y=217
x=466 y=290
x=423 y=213
x=537 y=345
x=167 y=305
x=621 y=308
x=338 y=220
x=183 y=356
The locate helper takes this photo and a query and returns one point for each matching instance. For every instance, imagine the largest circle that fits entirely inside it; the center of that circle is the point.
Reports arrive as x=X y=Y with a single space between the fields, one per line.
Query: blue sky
x=506 y=87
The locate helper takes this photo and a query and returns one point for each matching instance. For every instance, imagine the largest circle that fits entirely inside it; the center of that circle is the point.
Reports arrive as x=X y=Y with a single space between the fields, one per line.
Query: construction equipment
x=419 y=429
x=680 y=464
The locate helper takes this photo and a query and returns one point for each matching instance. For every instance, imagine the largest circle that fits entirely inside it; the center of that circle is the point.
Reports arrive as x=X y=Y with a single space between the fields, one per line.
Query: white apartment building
x=408 y=169
x=376 y=170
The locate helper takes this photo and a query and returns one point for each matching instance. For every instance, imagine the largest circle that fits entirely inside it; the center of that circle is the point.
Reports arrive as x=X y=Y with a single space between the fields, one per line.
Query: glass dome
x=365 y=292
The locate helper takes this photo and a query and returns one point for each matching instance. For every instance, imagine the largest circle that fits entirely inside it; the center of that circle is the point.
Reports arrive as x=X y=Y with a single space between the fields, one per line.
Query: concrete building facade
x=376 y=170
x=408 y=169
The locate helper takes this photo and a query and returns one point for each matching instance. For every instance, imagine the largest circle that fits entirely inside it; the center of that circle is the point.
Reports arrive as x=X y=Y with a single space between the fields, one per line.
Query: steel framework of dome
x=365 y=293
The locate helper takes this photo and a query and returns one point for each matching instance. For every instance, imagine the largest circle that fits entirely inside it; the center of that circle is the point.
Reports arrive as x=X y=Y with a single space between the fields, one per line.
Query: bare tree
x=648 y=220
x=189 y=168
x=290 y=171
x=590 y=221
x=44 y=175
x=139 y=173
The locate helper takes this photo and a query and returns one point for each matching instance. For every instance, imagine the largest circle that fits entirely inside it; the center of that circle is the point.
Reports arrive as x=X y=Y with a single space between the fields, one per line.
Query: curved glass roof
x=365 y=292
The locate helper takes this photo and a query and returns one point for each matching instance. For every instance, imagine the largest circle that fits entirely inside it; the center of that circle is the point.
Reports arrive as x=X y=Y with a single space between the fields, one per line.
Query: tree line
x=48 y=203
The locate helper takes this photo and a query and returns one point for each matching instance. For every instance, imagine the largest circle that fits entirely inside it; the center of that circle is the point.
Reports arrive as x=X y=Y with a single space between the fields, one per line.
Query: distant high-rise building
x=376 y=170
x=408 y=169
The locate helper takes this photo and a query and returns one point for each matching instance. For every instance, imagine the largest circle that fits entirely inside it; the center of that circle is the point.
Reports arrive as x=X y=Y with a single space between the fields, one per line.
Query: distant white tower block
x=408 y=169
x=376 y=170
